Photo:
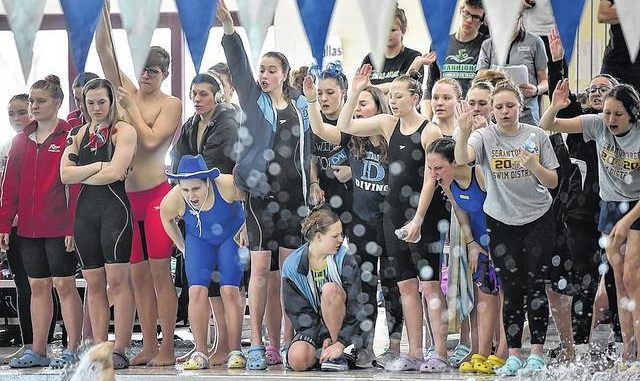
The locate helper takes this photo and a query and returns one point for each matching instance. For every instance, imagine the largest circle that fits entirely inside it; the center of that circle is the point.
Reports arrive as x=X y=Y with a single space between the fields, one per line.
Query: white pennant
x=629 y=16
x=503 y=18
x=256 y=17
x=139 y=19
x=379 y=16
x=24 y=17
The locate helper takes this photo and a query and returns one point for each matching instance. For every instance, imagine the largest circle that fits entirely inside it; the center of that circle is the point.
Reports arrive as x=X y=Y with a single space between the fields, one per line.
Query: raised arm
x=106 y=52
x=365 y=126
x=464 y=152
x=70 y=172
x=171 y=208
x=323 y=130
x=117 y=168
x=560 y=100
x=607 y=13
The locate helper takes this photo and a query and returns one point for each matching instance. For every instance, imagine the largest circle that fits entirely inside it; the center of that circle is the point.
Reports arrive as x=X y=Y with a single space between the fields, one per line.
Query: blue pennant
x=439 y=14
x=82 y=18
x=196 y=17
x=316 y=16
x=567 y=14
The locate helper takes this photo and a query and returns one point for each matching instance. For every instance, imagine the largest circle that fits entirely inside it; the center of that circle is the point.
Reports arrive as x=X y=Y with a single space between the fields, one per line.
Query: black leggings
x=575 y=272
x=521 y=255
x=368 y=238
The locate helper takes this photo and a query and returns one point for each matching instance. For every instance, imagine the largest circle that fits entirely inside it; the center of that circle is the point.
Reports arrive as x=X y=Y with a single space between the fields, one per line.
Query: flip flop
x=120 y=361
x=67 y=357
x=435 y=364
x=404 y=363
x=256 y=359
x=237 y=360
x=29 y=359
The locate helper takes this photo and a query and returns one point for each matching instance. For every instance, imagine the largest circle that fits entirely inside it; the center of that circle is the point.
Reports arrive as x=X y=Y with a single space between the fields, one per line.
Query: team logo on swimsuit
x=54 y=148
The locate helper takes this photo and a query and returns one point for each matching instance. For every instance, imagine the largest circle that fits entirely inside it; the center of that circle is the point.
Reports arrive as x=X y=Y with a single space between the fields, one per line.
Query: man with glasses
x=155 y=116
x=462 y=54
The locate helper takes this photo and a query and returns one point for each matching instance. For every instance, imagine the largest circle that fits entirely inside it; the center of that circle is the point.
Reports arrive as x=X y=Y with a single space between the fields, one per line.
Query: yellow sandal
x=197 y=361
x=237 y=360
x=470 y=366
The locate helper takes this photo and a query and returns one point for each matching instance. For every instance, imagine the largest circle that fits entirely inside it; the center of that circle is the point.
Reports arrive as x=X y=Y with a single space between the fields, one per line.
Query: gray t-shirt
x=514 y=194
x=619 y=164
x=527 y=50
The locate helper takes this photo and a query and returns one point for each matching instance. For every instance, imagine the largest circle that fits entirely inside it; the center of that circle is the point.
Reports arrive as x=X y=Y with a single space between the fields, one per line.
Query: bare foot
x=143 y=357
x=163 y=359
x=218 y=358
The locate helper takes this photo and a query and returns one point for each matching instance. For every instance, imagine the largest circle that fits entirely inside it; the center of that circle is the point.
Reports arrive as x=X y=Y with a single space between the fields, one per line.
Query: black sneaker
x=337 y=365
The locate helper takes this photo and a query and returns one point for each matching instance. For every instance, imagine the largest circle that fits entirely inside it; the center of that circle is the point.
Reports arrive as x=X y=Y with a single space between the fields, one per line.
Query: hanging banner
x=316 y=16
x=629 y=16
x=139 y=33
x=82 y=18
x=196 y=17
x=567 y=14
x=503 y=19
x=25 y=17
x=438 y=14
x=256 y=17
x=379 y=18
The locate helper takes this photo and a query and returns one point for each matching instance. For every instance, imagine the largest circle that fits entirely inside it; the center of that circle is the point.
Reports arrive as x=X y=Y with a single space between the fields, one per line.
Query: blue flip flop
x=29 y=359
x=256 y=359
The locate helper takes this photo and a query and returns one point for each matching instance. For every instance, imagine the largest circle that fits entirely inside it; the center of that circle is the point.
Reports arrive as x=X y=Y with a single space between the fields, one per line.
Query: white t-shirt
x=619 y=164
x=539 y=20
x=514 y=195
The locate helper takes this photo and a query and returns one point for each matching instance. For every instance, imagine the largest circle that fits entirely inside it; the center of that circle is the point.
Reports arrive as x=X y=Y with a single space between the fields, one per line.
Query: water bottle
x=531 y=146
x=401 y=233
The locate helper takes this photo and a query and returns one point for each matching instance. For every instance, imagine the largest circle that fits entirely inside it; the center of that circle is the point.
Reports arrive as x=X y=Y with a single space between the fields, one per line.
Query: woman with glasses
x=461 y=59
x=617 y=137
x=572 y=300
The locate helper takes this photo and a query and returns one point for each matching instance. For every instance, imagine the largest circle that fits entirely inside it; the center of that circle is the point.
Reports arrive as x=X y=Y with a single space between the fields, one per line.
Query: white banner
x=629 y=16
x=24 y=18
x=378 y=17
x=256 y=16
x=139 y=19
x=503 y=18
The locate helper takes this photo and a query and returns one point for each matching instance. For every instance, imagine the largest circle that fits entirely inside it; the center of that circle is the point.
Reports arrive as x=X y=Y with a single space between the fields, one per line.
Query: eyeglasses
x=601 y=89
x=465 y=14
x=151 y=72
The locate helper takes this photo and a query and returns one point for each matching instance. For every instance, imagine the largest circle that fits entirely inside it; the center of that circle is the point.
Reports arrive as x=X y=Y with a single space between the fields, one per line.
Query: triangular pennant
x=629 y=16
x=24 y=17
x=503 y=18
x=196 y=17
x=139 y=33
x=256 y=17
x=379 y=16
x=438 y=15
x=82 y=18
x=316 y=16
x=567 y=14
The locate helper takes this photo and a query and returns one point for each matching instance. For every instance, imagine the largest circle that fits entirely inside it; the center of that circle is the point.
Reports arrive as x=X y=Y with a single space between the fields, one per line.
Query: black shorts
x=612 y=211
x=102 y=228
x=47 y=257
x=272 y=225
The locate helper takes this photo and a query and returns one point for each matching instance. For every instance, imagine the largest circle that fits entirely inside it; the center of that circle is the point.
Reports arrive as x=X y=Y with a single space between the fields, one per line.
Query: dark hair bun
x=53 y=79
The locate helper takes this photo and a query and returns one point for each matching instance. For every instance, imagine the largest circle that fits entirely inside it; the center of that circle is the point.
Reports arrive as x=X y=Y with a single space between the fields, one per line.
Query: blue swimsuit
x=210 y=242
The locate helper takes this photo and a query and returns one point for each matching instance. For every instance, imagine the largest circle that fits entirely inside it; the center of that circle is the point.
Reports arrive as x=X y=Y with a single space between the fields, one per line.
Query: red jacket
x=31 y=186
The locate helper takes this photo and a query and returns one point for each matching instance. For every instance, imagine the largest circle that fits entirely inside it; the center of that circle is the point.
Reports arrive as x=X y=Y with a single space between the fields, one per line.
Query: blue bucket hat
x=193 y=167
